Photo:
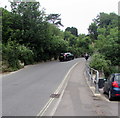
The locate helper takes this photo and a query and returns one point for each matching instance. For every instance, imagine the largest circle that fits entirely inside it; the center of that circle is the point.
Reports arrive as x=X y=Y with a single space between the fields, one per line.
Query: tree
x=108 y=40
x=57 y=46
x=72 y=30
x=93 y=31
x=103 y=20
x=34 y=27
x=55 y=19
x=7 y=22
x=83 y=42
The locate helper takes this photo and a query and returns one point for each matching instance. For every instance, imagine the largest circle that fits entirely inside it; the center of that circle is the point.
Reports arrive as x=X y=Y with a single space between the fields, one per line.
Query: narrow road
x=24 y=93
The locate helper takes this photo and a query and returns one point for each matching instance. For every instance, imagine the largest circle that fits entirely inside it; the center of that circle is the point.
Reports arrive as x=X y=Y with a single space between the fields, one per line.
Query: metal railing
x=93 y=77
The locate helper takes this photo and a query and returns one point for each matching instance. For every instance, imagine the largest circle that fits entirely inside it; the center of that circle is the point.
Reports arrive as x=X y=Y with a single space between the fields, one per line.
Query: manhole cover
x=55 y=95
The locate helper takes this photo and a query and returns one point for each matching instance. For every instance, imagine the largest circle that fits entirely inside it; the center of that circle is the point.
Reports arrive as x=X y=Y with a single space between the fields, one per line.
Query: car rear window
x=117 y=78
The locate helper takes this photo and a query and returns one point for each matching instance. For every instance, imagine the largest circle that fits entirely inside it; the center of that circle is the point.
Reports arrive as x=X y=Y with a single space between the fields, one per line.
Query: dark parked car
x=66 y=56
x=112 y=86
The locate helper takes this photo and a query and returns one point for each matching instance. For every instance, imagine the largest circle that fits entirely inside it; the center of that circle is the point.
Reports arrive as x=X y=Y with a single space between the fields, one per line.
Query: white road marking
x=41 y=113
x=56 y=106
x=45 y=107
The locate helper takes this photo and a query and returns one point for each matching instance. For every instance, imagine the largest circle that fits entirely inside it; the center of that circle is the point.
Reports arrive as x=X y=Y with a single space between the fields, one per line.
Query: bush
x=13 y=54
x=25 y=55
x=10 y=55
x=99 y=63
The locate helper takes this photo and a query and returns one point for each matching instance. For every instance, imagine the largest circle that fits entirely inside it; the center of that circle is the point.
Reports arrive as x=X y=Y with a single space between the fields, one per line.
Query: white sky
x=77 y=13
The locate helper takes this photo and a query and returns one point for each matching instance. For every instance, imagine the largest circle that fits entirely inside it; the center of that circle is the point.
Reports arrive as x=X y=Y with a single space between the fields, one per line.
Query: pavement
x=78 y=98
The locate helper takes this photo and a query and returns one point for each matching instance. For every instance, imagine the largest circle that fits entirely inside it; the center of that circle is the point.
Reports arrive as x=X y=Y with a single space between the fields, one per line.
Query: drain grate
x=55 y=95
x=96 y=99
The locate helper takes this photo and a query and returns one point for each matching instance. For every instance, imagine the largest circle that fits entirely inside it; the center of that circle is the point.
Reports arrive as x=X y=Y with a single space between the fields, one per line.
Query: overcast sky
x=77 y=13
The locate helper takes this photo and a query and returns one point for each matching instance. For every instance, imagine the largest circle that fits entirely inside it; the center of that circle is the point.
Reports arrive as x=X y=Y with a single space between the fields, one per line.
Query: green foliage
x=70 y=38
x=104 y=20
x=76 y=51
x=26 y=55
x=101 y=31
x=57 y=46
x=93 y=31
x=107 y=43
x=67 y=35
x=99 y=62
x=108 y=46
x=72 y=30
x=7 y=22
x=13 y=53
x=83 y=43
x=29 y=37
x=10 y=55
x=54 y=31
x=102 y=24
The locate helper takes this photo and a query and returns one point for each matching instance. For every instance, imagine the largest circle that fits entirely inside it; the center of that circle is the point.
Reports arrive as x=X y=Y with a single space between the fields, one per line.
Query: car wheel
x=109 y=95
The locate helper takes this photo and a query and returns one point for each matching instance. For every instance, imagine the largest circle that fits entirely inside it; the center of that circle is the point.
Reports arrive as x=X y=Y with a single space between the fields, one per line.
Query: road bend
x=25 y=92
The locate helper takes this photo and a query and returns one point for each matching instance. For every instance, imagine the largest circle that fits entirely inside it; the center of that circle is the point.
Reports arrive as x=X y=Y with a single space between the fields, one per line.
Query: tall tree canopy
x=55 y=19
x=105 y=29
x=72 y=30
x=93 y=31
x=28 y=35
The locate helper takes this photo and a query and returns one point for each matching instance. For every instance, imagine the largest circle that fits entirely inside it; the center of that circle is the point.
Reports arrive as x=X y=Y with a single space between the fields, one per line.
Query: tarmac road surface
x=25 y=92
